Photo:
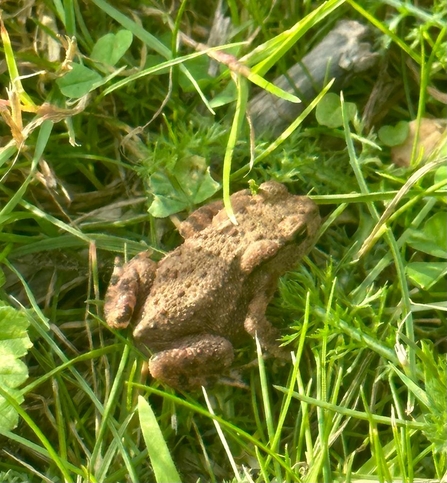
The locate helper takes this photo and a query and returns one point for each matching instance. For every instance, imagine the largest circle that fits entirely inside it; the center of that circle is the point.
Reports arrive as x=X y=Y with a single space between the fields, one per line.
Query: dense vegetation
x=115 y=123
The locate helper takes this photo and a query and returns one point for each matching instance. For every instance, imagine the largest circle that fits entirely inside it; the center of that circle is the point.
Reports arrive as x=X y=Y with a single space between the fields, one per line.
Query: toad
x=204 y=298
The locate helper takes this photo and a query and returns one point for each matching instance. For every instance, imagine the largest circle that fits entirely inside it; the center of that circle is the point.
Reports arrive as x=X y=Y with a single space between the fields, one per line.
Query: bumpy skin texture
x=204 y=297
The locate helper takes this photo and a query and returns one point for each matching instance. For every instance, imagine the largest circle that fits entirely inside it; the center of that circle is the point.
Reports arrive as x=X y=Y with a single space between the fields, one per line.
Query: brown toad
x=203 y=298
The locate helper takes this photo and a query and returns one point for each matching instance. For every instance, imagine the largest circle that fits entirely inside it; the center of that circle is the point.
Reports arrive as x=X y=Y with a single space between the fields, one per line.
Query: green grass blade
x=235 y=431
x=383 y=28
x=62 y=465
x=378 y=453
x=297 y=122
x=108 y=409
x=222 y=439
x=407 y=316
x=42 y=140
x=280 y=44
x=151 y=41
x=268 y=413
x=161 y=67
x=162 y=464
x=13 y=69
x=353 y=412
x=236 y=126
x=269 y=87
x=70 y=19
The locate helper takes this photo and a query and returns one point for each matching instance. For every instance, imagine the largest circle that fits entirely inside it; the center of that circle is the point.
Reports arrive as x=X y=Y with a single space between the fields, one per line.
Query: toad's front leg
x=256 y=324
x=129 y=286
x=195 y=361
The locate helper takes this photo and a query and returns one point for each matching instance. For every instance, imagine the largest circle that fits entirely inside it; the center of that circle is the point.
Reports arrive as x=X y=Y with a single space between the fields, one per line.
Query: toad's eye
x=300 y=235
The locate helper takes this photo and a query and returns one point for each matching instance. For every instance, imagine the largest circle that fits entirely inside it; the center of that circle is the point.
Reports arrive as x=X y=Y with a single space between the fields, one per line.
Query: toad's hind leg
x=129 y=286
x=195 y=361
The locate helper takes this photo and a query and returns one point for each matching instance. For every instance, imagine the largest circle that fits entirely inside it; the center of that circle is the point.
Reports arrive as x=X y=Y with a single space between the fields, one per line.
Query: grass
x=97 y=144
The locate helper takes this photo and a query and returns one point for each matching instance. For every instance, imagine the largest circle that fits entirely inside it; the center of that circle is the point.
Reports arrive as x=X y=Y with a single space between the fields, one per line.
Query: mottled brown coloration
x=203 y=298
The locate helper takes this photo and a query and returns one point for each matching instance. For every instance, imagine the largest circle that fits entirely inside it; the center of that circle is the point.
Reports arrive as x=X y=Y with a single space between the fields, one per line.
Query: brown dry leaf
x=432 y=137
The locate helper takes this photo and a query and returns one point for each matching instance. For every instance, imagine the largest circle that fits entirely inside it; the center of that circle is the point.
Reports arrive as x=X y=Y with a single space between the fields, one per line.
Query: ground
x=115 y=125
